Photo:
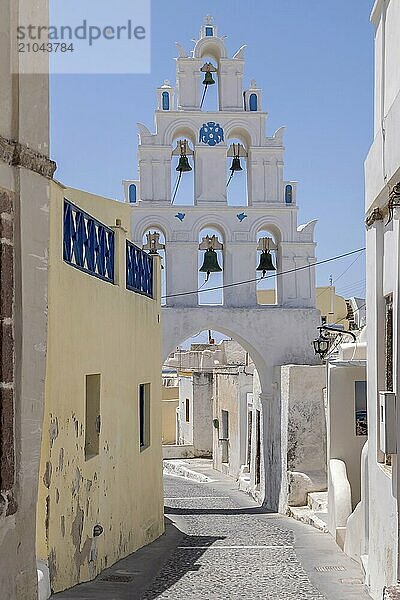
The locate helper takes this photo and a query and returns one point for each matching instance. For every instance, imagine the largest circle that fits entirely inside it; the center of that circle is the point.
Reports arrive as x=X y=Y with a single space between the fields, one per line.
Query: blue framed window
x=289 y=194
x=165 y=101
x=253 y=102
x=132 y=193
x=209 y=31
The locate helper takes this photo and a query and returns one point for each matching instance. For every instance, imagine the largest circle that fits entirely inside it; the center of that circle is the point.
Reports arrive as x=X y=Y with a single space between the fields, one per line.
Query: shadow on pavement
x=150 y=570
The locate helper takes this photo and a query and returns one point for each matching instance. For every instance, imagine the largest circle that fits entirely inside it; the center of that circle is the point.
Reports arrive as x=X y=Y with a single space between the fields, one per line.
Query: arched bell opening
x=182 y=172
x=209 y=85
x=236 y=173
x=267 y=266
x=211 y=267
x=154 y=243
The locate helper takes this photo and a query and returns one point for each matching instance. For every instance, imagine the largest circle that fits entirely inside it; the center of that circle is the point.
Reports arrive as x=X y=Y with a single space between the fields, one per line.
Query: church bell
x=208 y=78
x=210 y=263
x=183 y=165
x=266 y=263
x=236 y=166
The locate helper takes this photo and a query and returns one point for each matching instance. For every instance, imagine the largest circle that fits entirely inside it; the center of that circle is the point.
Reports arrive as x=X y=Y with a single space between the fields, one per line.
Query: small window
x=187 y=410
x=389 y=343
x=289 y=194
x=92 y=416
x=144 y=415
x=209 y=31
x=165 y=101
x=225 y=424
x=361 y=408
x=253 y=103
x=132 y=193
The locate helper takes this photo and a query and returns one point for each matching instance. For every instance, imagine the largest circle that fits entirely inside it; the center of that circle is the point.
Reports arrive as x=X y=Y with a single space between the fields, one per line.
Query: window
x=92 y=416
x=253 y=102
x=258 y=448
x=132 y=193
x=389 y=343
x=187 y=410
x=144 y=415
x=289 y=194
x=209 y=31
x=361 y=408
x=225 y=424
x=165 y=101
x=249 y=433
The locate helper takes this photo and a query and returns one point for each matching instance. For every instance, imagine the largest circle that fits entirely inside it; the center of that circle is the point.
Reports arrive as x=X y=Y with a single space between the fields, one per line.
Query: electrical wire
x=341 y=275
x=277 y=274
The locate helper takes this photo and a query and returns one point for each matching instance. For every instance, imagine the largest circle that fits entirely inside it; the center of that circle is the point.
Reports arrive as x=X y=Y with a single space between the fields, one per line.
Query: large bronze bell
x=266 y=263
x=208 y=79
x=236 y=166
x=210 y=263
x=183 y=165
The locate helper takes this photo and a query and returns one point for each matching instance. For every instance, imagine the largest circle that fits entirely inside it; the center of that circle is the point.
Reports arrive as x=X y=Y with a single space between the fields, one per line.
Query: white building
x=273 y=334
x=382 y=173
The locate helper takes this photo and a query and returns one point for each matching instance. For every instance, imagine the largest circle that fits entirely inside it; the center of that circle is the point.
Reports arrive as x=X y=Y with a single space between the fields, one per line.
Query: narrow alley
x=219 y=544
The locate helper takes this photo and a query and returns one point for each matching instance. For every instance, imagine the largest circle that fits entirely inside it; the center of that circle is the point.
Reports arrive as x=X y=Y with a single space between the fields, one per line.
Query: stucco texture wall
x=343 y=443
x=97 y=328
x=230 y=394
x=302 y=389
x=332 y=306
x=170 y=403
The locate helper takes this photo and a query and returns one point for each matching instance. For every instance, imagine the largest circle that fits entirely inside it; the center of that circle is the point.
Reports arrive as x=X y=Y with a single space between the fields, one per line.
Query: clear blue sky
x=314 y=60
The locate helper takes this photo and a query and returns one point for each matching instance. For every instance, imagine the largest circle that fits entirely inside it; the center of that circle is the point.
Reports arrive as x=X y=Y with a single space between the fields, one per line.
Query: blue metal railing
x=139 y=270
x=88 y=244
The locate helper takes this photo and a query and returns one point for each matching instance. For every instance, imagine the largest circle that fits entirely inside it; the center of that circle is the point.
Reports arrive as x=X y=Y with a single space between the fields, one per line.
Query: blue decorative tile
x=211 y=133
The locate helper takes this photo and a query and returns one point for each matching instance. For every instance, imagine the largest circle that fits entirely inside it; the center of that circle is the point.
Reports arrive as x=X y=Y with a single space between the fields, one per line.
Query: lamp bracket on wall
x=394 y=201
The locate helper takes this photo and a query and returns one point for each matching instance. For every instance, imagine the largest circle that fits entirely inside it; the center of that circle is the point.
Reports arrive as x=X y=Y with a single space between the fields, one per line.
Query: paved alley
x=219 y=544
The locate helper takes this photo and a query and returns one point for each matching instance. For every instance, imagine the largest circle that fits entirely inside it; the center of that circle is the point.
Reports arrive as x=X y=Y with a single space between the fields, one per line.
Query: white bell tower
x=274 y=334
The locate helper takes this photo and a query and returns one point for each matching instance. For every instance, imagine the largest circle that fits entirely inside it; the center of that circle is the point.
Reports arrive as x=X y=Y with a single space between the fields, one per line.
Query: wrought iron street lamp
x=322 y=343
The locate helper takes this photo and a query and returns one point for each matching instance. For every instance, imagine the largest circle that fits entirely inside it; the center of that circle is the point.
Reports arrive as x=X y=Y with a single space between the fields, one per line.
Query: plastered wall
x=97 y=328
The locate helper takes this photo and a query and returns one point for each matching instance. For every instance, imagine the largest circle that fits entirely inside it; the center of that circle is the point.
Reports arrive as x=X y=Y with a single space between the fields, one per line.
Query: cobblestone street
x=220 y=545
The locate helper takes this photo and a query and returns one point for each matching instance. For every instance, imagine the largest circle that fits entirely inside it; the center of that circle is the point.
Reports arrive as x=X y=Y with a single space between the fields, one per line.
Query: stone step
x=318 y=501
x=304 y=514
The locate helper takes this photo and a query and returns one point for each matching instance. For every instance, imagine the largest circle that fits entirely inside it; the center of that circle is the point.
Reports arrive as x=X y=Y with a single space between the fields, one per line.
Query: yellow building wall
x=96 y=327
x=331 y=305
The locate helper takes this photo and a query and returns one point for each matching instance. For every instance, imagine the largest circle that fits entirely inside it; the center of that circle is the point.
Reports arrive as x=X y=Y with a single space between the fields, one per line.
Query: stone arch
x=151 y=222
x=239 y=131
x=213 y=222
x=184 y=128
x=214 y=47
x=172 y=338
x=272 y=224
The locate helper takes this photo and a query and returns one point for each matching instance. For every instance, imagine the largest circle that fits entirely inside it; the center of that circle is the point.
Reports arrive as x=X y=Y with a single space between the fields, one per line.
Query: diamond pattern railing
x=88 y=244
x=139 y=270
